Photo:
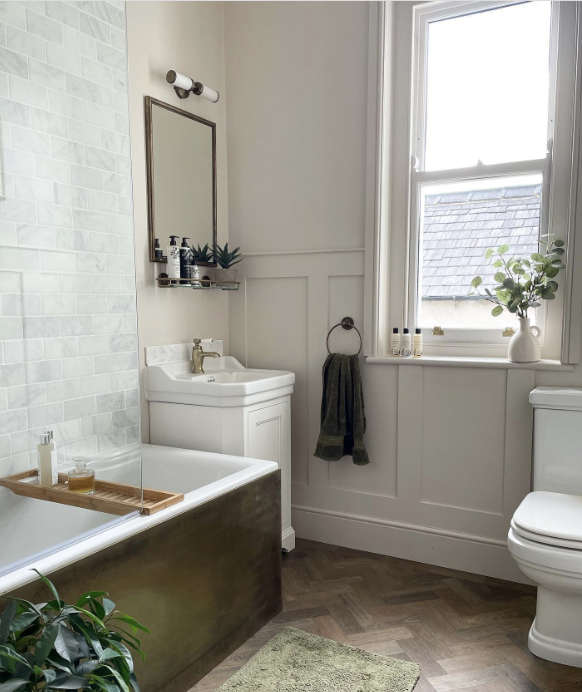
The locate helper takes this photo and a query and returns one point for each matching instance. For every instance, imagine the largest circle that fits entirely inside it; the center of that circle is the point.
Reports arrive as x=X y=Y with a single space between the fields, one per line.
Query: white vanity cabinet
x=238 y=425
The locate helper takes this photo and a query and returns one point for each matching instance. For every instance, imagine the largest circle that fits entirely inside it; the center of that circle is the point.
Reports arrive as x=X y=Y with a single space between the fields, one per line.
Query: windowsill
x=470 y=362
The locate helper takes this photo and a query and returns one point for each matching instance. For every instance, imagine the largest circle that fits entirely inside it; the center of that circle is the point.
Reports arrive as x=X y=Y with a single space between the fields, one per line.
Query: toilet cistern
x=198 y=356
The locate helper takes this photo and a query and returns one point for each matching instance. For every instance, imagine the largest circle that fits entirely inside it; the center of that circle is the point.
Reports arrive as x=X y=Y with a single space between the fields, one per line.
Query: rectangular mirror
x=181 y=176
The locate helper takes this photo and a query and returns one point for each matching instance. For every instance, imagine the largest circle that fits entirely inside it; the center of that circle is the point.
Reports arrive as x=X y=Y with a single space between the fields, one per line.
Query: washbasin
x=225 y=382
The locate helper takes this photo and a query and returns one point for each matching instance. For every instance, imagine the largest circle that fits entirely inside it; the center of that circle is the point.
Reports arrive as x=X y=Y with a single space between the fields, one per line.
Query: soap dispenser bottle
x=47 y=470
x=185 y=264
x=173 y=258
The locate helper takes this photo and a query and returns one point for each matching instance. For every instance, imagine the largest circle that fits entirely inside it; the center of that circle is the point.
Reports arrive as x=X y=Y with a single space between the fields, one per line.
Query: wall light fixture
x=184 y=85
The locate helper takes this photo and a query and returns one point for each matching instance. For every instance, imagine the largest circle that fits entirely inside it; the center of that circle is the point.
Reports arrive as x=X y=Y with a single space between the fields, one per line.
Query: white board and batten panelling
x=450 y=448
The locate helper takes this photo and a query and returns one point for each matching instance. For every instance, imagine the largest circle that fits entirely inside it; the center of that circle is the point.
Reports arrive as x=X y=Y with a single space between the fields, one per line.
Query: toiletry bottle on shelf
x=158 y=251
x=195 y=274
x=417 y=346
x=173 y=266
x=47 y=475
x=395 y=342
x=185 y=263
x=81 y=479
x=54 y=455
x=406 y=343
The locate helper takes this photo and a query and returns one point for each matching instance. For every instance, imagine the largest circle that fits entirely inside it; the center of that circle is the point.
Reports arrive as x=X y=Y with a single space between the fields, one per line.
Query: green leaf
x=66 y=645
x=23 y=621
x=497 y=310
x=7 y=620
x=49 y=675
x=133 y=623
x=90 y=595
x=50 y=585
x=536 y=257
x=558 y=251
x=120 y=681
x=498 y=263
x=552 y=271
x=109 y=606
x=9 y=652
x=489 y=253
x=13 y=685
x=509 y=283
x=134 y=682
x=519 y=271
x=69 y=682
x=499 y=277
x=105 y=685
x=558 y=264
x=476 y=282
x=502 y=249
x=45 y=644
x=559 y=243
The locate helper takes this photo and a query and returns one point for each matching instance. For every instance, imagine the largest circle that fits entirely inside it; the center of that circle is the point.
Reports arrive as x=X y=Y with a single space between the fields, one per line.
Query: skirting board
x=429 y=546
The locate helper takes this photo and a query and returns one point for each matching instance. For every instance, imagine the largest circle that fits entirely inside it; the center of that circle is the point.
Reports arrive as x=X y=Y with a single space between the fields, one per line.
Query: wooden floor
x=467 y=632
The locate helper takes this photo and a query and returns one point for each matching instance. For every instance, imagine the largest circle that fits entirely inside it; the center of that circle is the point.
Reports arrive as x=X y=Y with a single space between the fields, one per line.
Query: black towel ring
x=346 y=323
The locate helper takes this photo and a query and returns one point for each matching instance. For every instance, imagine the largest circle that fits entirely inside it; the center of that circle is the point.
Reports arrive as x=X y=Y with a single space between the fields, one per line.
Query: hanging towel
x=343 y=419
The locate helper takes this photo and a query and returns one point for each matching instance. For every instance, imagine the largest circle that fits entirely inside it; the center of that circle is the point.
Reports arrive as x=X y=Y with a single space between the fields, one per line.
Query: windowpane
x=458 y=223
x=487 y=87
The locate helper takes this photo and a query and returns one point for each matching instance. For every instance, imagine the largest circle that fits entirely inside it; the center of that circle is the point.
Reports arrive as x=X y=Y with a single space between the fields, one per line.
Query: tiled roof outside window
x=459 y=227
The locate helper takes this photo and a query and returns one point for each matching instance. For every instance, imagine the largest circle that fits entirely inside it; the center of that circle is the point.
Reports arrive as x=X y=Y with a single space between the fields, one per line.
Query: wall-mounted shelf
x=205 y=285
x=113 y=498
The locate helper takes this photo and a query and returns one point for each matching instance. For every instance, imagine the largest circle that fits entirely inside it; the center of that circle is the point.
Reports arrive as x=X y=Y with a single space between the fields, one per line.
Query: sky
x=487 y=91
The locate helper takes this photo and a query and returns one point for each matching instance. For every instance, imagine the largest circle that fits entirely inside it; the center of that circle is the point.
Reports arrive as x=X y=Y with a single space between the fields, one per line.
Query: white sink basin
x=225 y=382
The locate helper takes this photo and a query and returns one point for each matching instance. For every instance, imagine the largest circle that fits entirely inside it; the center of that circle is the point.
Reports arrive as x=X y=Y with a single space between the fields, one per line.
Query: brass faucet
x=198 y=356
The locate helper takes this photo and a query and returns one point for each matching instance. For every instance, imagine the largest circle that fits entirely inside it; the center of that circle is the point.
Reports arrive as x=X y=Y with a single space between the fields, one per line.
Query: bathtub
x=204 y=574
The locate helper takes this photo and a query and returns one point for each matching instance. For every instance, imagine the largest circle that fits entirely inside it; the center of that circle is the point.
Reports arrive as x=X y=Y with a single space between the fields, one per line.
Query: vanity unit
x=227 y=409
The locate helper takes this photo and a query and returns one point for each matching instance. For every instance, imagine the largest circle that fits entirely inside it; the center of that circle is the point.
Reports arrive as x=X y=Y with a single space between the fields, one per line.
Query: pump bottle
x=185 y=264
x=173 y=266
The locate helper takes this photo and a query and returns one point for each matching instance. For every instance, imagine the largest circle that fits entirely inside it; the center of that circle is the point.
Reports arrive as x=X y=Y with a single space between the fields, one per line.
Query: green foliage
x=522 y=282
x=225 y=259
x=58 y=646
x=202 y=254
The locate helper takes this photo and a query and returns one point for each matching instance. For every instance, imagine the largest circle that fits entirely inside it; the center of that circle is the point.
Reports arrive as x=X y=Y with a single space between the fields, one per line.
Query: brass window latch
x=508 y=331
x=437 y=331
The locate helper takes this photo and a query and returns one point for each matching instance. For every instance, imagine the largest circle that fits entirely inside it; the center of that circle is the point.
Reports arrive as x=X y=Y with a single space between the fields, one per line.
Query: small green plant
x=226 y=258
x=58 y=646
x=201 y=254
x=522 y=282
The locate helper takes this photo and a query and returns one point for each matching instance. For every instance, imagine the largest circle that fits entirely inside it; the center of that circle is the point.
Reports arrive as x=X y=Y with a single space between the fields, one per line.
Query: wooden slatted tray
x=113 y=498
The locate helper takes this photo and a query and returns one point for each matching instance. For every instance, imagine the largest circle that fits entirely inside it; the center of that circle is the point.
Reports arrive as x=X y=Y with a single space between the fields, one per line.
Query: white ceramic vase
x=524 y=346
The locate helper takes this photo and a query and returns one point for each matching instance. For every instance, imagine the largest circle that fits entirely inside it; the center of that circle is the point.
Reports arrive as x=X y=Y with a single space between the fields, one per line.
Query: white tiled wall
x=68 y=339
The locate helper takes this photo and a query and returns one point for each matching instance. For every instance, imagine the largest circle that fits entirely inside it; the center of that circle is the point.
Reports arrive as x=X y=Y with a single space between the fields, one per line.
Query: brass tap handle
x=197 y=341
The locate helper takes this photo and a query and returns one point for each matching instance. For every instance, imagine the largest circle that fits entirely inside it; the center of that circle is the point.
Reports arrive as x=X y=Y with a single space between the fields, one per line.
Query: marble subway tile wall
x=68 y=333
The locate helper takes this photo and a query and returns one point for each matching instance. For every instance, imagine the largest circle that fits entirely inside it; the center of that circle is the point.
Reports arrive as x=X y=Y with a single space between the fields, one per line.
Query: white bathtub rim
x=135 y=524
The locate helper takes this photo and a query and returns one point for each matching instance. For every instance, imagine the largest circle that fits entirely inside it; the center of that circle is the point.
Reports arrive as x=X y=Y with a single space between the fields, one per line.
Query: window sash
x=487 y=336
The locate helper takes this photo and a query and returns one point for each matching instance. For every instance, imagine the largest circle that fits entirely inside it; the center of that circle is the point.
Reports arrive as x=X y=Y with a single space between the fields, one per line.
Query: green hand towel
x=343 y=419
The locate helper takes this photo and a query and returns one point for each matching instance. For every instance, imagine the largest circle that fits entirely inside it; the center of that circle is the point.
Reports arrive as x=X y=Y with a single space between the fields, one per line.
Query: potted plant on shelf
x=521 y=284
x=226 y=259
x=203 y=256
x=55 y=645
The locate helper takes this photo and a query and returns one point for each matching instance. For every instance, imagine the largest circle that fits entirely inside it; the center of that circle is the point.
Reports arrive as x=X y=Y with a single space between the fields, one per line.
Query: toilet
x=545 y=538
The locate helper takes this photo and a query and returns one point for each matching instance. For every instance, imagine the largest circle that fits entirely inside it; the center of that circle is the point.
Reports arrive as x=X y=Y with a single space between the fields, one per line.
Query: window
x=481 y=127
x=477 y=107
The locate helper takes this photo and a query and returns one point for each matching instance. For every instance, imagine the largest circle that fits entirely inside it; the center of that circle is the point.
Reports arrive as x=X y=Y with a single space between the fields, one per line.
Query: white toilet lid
x=551 y=518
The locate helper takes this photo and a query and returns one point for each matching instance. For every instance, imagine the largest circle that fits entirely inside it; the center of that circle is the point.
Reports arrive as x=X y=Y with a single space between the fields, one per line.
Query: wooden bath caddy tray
x=113 y=498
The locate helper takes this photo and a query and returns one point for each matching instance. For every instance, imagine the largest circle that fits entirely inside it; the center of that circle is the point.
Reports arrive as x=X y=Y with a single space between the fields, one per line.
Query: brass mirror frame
x=150 y=101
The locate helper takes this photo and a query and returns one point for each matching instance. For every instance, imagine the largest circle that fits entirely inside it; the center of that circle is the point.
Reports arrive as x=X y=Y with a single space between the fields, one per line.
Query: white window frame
x=396 y=101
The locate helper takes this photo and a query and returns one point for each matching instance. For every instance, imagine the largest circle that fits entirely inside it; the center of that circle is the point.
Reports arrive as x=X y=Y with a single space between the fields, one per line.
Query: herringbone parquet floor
x=467 y=632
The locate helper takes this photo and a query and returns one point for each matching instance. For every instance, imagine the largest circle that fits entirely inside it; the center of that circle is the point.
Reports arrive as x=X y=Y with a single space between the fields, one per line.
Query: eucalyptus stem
x=522 y=282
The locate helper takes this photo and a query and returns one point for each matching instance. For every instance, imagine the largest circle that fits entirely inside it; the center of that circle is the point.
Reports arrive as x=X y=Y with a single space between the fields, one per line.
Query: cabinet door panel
x=268 y=438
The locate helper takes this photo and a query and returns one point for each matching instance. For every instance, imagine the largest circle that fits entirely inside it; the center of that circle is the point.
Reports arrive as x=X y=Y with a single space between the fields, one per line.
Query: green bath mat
x=295 y=661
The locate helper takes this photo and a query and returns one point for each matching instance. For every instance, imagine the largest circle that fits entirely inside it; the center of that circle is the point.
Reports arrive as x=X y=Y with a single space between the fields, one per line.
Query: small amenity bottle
x=395 y=342
x=406 y=343
x=47 y=469
x=417 y=347
x=81 y=479
x=173 y=265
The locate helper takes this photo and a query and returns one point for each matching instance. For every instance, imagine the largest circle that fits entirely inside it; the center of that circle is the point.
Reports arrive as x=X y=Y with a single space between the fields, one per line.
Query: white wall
x=450 y=448
x=186 y=37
